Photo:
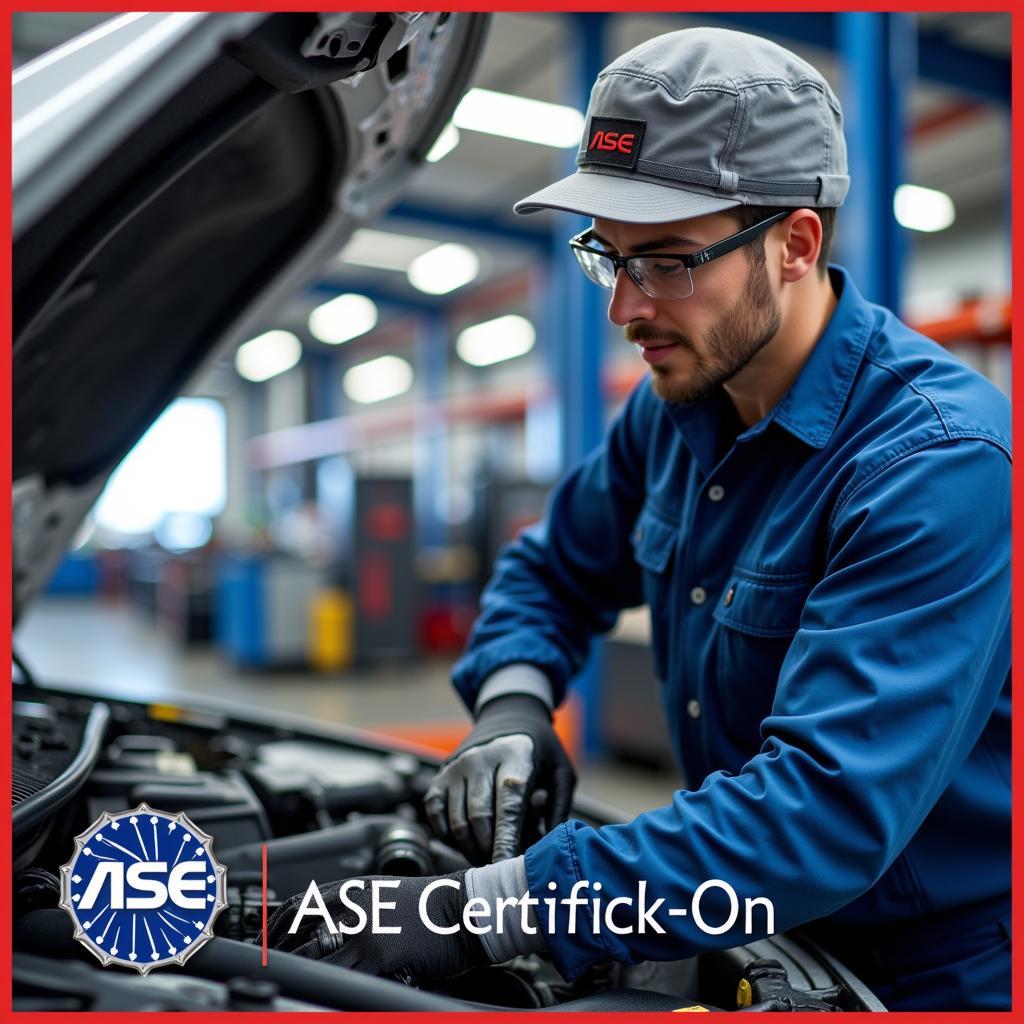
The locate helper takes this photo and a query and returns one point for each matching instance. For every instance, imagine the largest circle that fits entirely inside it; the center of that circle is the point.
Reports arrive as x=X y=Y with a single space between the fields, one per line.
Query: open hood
x=175 y=177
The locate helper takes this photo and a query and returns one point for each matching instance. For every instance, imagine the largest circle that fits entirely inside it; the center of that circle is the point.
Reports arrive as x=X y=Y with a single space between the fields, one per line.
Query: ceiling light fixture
x=444 y=268
x=384 y=250
x=384 y=377
x=267 y=355
x=923 y=209
x=343 y=319
x=496 y=340
x=515 y=117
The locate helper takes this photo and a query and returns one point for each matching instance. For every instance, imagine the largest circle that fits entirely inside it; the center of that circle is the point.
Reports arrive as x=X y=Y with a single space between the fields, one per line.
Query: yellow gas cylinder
x=331 y=631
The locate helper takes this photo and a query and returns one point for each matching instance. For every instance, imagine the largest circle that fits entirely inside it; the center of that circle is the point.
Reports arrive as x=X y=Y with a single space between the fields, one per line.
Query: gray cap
x=701 y=120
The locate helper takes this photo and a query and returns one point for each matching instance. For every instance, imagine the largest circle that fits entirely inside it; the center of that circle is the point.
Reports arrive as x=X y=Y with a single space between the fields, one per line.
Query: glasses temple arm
x=735 y=241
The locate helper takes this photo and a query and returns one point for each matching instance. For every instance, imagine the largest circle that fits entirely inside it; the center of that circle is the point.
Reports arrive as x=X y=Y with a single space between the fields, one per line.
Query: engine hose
x=50 y=933
x=35 y=888
x=47 y=801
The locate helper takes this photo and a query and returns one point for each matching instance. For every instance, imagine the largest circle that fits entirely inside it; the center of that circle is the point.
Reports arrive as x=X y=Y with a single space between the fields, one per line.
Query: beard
x=731 y=343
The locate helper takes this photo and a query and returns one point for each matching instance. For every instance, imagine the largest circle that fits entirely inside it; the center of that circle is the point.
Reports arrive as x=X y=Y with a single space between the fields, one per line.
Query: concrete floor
x=67 y=640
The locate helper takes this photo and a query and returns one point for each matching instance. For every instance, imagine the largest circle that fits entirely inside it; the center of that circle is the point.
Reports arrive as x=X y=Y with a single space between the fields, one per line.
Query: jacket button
x=693 y=708
x=716 y=492
x=639 y=533
x=698 y=595
x=729 y=597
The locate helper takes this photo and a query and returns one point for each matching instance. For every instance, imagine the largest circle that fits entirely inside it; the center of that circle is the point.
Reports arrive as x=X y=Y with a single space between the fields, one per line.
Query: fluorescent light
x=923 y=209
x=178 y=466
x=514 y=117
x=384 y=377
x=496 y=340
x=385 y=250
x=343 y=318
x=444 y=143
x=444 y=268
x=268 y=355
x=183 y=531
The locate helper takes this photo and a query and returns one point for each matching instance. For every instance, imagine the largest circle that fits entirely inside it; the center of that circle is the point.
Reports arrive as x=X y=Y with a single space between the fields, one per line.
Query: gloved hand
x=510 y=775
x=415 y=951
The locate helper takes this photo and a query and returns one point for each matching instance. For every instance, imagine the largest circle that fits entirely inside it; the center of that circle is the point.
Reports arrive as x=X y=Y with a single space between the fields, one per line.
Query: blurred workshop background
x=310 y=528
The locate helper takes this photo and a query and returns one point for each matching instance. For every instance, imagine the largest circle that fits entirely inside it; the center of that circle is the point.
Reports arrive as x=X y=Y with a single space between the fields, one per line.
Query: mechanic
x=814 y=502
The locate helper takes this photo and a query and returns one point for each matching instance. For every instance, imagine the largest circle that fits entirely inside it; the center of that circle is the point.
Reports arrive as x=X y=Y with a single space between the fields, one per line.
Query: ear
x=801 y=244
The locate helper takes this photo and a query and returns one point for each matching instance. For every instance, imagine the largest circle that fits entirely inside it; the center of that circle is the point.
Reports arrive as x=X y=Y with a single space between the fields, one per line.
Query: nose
x=629 y=302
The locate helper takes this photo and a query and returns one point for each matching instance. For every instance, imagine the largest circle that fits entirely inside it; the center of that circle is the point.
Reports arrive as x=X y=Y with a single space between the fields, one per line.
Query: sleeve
x=567 y=577
x=516 y=678
x=900 y=657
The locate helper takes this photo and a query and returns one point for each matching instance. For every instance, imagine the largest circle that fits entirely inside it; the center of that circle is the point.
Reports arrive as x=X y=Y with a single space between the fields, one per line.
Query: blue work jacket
x=830 y=604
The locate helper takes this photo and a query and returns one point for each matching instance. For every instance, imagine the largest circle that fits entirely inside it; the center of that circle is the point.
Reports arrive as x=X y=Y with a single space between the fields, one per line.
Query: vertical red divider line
x=263 y=847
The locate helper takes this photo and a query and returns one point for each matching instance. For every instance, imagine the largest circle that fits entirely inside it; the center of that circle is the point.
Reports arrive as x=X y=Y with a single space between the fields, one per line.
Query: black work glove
x=511 y=767
x=414 y=952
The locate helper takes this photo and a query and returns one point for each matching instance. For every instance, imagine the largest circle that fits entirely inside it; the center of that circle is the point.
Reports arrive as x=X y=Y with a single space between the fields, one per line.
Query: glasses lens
x=662 y=278
x=599 y=269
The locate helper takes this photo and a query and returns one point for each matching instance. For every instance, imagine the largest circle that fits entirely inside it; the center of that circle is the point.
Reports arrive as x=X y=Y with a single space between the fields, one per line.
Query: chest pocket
x=655 y=540
x=762 y=605
x=760 y=614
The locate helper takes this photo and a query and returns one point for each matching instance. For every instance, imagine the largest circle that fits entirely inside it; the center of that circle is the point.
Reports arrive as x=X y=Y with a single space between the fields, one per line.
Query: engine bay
x=325 y=804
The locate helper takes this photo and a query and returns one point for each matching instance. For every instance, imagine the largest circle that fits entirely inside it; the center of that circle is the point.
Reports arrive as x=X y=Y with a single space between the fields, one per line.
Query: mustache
x=641 y=332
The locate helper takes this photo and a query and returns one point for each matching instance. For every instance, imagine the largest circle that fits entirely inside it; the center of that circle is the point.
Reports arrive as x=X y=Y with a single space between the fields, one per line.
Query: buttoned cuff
x=518 y=678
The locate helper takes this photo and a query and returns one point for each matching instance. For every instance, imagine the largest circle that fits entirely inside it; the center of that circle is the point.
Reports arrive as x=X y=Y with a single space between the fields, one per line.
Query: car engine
x=325 y=804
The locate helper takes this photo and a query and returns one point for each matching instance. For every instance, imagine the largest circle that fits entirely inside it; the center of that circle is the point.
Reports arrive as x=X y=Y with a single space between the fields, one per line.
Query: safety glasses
x=660 y=275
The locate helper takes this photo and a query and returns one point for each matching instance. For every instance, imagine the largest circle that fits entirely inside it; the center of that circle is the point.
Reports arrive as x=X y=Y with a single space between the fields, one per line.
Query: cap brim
x=623 y=198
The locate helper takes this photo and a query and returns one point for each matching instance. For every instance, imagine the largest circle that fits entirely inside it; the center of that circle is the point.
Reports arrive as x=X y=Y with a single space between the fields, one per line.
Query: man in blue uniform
x=814 y=502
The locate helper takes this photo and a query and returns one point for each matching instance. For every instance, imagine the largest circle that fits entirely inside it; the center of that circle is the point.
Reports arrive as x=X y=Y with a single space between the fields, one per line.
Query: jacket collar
x=811 y=407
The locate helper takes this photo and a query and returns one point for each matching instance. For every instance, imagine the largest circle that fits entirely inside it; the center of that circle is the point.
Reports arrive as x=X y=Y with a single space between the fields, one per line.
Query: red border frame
x=785 y=6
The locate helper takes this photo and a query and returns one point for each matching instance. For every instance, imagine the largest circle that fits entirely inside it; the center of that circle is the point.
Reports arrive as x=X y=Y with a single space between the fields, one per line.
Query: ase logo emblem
x=615 y=142
x=143 y=888
x=611 y=141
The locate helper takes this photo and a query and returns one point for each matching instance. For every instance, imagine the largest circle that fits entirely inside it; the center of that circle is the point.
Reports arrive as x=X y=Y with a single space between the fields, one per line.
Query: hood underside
x=249 y=173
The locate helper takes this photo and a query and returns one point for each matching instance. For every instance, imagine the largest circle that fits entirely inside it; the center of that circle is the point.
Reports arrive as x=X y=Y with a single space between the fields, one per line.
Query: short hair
x=746 y=216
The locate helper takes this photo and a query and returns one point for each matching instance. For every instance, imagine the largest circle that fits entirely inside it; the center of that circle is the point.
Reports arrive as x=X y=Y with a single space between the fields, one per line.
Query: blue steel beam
x=940 y=60
x=878 y=54
x=582 y=304
x=431 y=468
x=810 y=28
x=254 y=405
x=321 y=384
x=982 y=75
x=398 y=299
x=383 y=296
x=525 y=234
x=577 y=319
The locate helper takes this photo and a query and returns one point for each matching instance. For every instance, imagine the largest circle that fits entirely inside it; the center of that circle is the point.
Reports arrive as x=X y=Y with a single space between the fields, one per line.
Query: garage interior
x=308 y=530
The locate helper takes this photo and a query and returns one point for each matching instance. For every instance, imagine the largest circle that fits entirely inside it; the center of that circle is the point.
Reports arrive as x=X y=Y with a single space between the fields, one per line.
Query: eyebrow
x=654 y=245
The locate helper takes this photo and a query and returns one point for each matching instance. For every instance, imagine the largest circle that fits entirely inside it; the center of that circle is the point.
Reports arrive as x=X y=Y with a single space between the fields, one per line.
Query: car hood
x=175 y=177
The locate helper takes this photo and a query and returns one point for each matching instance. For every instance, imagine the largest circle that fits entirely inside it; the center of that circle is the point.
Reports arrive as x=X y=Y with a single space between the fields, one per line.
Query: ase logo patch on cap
x=614 y=141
